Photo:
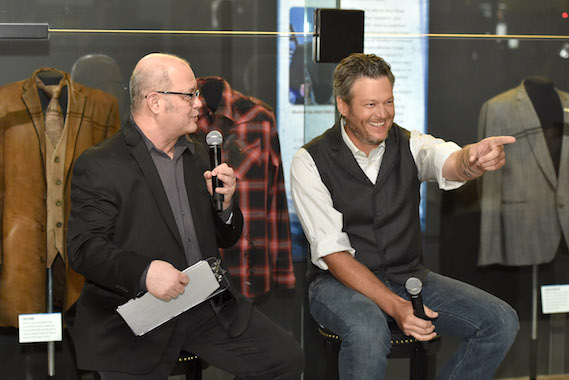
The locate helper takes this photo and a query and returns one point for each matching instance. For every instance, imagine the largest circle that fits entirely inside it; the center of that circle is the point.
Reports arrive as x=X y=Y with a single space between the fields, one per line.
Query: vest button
x=59 y=224
x=56 y=159
x=58 y=182
x=58 y=203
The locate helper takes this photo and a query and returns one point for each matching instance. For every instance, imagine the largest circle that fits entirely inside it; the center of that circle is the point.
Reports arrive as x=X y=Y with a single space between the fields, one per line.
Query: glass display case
x=464 y=70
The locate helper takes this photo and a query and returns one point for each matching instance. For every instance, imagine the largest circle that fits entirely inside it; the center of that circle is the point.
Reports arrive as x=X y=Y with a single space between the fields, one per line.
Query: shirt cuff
x=142 y=285
x=430 y=154
x=227 y=214
x=446 y=150
x=327 y=245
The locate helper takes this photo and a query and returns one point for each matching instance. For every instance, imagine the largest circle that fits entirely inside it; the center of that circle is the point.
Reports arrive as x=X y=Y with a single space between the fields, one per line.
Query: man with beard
x=356 y=192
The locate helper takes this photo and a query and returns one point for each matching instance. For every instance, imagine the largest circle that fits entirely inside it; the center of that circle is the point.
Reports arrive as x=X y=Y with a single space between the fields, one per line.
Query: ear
x=153 y=103
x=342 y=106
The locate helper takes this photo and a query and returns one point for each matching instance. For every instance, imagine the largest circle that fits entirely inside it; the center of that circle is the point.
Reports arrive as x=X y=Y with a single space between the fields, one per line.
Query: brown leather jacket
x=92 y=116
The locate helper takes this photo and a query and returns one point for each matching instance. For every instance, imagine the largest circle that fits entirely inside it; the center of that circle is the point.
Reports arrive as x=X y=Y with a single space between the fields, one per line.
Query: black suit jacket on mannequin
x=120 y=221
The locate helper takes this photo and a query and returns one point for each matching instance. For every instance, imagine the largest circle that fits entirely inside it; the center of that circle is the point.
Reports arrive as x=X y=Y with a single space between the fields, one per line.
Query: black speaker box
x=338 y=33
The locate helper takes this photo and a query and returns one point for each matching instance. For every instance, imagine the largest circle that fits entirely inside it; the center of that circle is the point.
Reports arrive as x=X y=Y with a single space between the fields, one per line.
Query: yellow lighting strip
x=213 y=32
x=288 y=34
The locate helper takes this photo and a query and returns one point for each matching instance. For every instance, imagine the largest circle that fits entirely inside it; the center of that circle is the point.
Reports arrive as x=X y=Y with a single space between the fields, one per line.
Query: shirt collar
x=353 y=148
x=183 y=141
x=224 y=108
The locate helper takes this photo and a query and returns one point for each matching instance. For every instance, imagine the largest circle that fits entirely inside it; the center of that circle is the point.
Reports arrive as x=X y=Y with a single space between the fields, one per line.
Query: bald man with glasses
x=141 y=212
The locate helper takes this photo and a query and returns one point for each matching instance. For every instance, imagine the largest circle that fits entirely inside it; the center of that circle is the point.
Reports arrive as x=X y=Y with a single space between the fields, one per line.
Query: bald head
x=152 y=73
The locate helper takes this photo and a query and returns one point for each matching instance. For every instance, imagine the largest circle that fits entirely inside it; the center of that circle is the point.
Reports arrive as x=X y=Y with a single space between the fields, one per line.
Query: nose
x=197 y=103
x=381 y=111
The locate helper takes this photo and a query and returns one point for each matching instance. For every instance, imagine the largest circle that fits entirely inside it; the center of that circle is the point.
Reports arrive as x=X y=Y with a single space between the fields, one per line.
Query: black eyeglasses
x=191 y=95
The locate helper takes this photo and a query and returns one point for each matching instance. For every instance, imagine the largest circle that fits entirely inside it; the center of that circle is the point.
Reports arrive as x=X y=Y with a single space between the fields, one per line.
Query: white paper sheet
x=555 y=299
x=147 y=312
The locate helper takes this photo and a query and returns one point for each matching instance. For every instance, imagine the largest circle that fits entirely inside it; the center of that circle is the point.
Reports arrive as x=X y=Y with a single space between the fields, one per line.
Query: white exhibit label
x=555 y=299
x=34 y=328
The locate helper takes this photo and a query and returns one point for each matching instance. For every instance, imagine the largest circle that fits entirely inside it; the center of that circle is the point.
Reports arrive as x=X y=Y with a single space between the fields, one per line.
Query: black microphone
x=214 y=140
x=414 y=286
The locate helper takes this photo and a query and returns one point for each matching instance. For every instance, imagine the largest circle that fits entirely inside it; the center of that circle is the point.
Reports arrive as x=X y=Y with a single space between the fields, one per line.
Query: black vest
x=381 y=220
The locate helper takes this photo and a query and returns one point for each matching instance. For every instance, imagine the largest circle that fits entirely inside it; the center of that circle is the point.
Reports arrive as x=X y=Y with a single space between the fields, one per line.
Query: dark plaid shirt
x=262 y=257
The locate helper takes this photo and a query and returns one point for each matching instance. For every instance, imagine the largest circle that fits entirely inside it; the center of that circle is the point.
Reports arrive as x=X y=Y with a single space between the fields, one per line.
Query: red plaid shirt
x=263 y=254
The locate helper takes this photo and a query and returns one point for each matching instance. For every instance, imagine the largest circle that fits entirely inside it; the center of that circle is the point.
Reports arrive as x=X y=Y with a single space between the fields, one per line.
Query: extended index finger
x=503 y=140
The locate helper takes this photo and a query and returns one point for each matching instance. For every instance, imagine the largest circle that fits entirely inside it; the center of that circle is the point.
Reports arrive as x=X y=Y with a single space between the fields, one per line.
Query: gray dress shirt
x=171 y=171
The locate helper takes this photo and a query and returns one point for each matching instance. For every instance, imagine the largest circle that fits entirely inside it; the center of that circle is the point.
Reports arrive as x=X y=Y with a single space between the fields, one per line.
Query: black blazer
x=120 y=221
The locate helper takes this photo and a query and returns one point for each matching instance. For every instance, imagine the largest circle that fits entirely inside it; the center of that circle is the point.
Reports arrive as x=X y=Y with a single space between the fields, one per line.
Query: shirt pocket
x=245 y=157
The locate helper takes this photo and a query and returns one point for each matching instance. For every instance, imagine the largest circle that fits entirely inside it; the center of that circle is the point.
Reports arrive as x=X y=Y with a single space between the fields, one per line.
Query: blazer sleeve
x=227 y=234
x=94 y=211
x=114 y=122
x=2 y=128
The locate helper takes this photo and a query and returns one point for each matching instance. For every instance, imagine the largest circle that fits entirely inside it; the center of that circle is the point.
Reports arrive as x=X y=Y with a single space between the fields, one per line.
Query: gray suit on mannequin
x=525 y=206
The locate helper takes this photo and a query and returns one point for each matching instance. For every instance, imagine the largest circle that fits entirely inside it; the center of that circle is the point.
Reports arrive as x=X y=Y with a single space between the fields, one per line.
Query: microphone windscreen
x=413 y=286
x=214 y=138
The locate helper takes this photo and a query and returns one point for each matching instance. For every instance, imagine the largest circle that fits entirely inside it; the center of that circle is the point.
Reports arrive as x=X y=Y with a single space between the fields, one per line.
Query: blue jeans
x=486 y=326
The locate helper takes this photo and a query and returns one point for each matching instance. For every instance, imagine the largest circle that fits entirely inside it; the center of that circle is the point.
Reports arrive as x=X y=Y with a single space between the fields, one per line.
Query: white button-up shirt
x=322 y=224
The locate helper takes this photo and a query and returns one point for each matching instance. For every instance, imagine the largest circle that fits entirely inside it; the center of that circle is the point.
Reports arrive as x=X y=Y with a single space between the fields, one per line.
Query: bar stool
x=421 y=355
x=188 y=364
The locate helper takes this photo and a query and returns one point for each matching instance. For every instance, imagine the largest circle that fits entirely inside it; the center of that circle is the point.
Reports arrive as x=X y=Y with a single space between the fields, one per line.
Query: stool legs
x=331 y=352
x=194 y=370
x=423 y=364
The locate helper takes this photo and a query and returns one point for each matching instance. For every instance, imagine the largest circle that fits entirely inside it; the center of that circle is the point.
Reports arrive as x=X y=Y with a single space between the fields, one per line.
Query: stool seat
x=422 y=355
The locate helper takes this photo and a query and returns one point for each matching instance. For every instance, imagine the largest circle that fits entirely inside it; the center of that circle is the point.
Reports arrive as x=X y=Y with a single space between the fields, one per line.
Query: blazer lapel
x=142 y=157
x=195 y=184
x=564 y=160
x=75 y=112
x=32 y=102
x=534 y=133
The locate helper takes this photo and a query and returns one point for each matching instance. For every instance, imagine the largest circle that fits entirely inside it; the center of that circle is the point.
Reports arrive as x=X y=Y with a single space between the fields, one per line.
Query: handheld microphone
x=414 y=286
x=214 y=140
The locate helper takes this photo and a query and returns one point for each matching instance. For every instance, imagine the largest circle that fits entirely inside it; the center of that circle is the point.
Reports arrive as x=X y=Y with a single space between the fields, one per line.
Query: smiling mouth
x=377 y=124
